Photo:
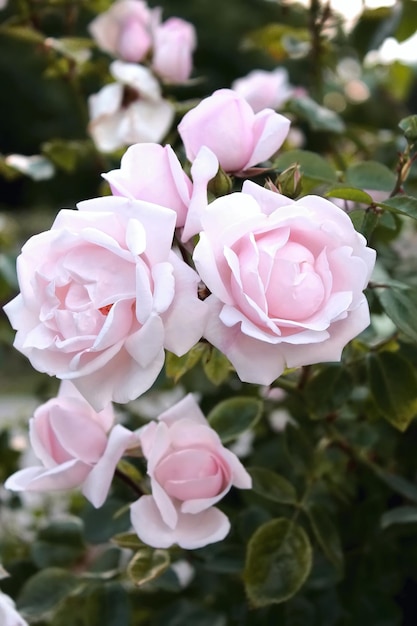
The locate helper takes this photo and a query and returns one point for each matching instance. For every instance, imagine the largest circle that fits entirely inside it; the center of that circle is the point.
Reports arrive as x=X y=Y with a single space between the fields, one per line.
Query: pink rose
x=286 y=280
x=102 y=296
x=262 y=89
x=9 y=616
x=174 y=44
x=151 y=172
x=190 y=470
x=125 y=29
x=225 y=123
x=77 y=447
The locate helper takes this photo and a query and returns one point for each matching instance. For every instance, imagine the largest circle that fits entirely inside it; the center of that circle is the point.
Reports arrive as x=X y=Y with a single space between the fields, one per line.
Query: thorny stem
x=317 y=19
x=405 y=161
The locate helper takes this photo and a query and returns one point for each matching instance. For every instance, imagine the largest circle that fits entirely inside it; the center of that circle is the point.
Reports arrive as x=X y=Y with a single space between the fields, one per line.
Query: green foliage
x=147 y=564
x=232 y=417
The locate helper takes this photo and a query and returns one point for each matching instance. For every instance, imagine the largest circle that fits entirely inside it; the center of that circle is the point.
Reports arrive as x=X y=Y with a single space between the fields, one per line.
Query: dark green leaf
x=397 y=483
x=278 y=562
x=232 y=417
x=400 y=515
x=370 y=175
x=60 y=543
x=147 y=564
x=45 y=591
x=272 y=486
x=326 y=534
x=128 y=540
x=349 y=193
x=328 y=390
x=393 y=383
x=311 y=164
x=400 y=304
x=319 y=117
x=403 y=205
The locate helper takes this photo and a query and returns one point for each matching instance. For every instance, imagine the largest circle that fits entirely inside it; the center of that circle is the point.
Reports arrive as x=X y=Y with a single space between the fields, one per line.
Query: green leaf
x=60 y=543
x=403 y=205
x=278 y=562
x=43 y=593
x=326 y=534
x=128 y=540
x=216 y=366
x=409 y=127
x=393 y=384
x=230 y=418
x=177 y=366
x=66 y=154
x=147 y=564
x=311 y=164
x=397 y=483
x=328 y=390
x=370 y=175
x=280 y=41
x=319 y=117
x=400 y=304
x=272 y=486
x=352 y=194
x=400 y=515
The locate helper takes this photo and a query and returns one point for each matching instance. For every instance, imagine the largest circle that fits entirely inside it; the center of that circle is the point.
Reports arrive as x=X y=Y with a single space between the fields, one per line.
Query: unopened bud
x=289 y=181
x=221 y=184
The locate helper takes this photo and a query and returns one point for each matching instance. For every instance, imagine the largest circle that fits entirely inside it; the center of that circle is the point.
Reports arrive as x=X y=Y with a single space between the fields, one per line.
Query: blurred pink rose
x=225 y=123
x=102 y=296
x=262 y=89
x=286 y=280
x=125 y=29
x=174 y=43
x=190 y=470
x=77 y=447
x=130 y=110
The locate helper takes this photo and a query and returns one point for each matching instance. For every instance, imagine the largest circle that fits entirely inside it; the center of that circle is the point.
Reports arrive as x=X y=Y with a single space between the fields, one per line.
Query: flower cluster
x=147 y=50
x=118 y=282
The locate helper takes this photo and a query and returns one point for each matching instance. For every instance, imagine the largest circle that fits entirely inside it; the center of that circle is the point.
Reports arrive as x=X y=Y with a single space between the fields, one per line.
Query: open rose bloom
x=190 y=471
x=286 y=280
x=77 y=447
x=103 y=295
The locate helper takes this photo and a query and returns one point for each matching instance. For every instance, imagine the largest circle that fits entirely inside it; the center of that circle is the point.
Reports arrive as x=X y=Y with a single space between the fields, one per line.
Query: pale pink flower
x=153 y=173
x=103 y=295
x=130 y=110
x=226 y=124
x=125 y=29
x=174 y=43
x=77 y=447
x=263 y=89
x=9 y=616
x=190 y=471
x=286 y=280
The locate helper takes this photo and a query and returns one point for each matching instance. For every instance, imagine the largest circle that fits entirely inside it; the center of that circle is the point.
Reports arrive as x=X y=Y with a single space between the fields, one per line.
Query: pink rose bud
x=190 y=470
x=286 y=280
x=103 y=295
x=173 y=47
x=262 y=89
x=152 y=172
x=75 y=447
x=226 y=124
x=125 y=30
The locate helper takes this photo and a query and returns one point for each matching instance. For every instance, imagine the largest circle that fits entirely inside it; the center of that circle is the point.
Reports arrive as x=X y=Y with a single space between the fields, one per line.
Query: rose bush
x=286 y=279
x=102 y=295
x=76 y=445
x=190 y=470
x=226 y=124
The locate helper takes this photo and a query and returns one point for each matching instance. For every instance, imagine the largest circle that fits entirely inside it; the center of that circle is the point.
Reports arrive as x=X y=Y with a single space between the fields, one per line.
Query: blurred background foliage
x=348 y=472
